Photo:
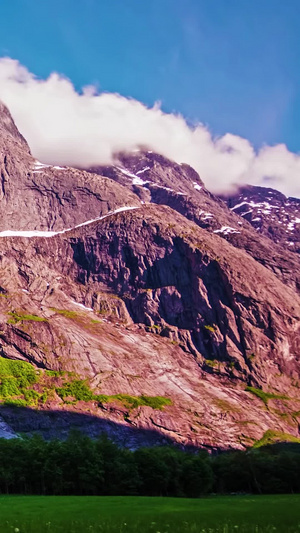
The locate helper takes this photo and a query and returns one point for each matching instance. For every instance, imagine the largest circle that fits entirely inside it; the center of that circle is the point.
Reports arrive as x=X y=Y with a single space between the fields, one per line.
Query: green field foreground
x=81 y=514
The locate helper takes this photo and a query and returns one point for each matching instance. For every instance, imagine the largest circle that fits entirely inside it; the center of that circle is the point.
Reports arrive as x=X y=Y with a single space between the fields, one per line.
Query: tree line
x=83 y=466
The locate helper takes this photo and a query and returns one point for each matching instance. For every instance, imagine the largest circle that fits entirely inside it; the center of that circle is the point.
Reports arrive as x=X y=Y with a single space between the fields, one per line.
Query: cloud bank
x=67 y=128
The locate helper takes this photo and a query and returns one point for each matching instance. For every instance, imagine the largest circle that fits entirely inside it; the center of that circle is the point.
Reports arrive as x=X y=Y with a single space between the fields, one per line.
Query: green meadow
x=83 y=514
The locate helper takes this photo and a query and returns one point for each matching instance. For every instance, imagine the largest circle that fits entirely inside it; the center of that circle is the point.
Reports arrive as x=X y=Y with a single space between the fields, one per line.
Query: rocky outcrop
x=271 y=213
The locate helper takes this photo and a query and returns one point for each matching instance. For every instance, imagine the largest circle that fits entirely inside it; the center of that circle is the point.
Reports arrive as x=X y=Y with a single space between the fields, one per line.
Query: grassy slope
x=259 y=514
x=22 y=384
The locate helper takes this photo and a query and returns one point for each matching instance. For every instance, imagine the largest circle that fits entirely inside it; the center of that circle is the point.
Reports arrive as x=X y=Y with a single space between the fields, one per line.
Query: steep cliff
x=172 y=328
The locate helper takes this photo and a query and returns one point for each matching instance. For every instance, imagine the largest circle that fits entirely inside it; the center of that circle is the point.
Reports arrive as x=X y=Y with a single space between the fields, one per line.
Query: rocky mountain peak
x=9 y=131
x=270 y=212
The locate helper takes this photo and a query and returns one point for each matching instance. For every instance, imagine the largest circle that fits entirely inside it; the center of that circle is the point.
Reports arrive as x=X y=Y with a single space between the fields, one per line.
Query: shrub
x=78 y=389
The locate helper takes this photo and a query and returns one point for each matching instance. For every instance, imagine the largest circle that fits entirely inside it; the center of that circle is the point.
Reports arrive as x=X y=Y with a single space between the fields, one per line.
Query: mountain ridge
x=154 y=287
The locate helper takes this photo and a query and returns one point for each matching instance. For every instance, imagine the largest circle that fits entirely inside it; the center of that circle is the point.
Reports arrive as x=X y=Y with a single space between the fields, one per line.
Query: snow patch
x=226 y=230
x=38 y=167
x=204 y=215
x=197 y=186
x=38 y=164
x=82 y=306
x=162 y=187
x=138 y=181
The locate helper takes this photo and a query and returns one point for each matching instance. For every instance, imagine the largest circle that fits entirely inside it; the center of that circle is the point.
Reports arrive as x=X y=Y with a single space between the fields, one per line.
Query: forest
x=80 y=465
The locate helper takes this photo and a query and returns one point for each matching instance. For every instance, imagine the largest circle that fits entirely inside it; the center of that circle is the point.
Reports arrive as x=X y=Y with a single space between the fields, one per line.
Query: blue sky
x=231 y=64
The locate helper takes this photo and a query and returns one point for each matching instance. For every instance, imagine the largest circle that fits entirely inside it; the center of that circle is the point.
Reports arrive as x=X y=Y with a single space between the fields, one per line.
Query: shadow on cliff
x=57 y=424
x=178 y=297
x=53 y=424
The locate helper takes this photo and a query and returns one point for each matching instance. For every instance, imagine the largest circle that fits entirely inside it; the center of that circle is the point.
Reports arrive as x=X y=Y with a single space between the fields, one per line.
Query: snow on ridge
x=239 y=205
x=260 y=205
x=34 y=233
x=110 y=213
x=38 y=167
x=142 y=171
x=136 y=180
x=37 y=233
x=126 y=172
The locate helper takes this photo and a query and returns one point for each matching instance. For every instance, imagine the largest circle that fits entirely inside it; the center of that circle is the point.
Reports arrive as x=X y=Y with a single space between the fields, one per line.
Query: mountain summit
x=152 y=309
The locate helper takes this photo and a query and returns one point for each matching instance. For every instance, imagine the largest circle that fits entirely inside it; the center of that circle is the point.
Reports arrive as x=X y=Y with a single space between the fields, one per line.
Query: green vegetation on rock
x=21 y=384
x=272 y=437
x=65 y=312
x=211 y=362
x=77 y=389
x=17 y=379
x=131 y=402
x=18 y=317
x=265 y=396
x=80 y=391
x=55 y=373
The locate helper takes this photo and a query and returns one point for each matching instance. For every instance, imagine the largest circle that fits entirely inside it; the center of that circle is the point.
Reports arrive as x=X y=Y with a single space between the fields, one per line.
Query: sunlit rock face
x=139 y=280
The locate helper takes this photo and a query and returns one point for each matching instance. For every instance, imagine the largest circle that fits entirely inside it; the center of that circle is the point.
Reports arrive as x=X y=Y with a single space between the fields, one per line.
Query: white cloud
x=64 y=127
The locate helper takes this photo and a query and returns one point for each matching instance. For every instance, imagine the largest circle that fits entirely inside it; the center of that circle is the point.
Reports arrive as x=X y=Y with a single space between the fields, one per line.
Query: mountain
x=270 y=212
x=150 y=308
x=157 y=180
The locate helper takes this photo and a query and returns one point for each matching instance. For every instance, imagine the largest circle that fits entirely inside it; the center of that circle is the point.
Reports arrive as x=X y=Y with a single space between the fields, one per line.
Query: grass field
x=236 y=514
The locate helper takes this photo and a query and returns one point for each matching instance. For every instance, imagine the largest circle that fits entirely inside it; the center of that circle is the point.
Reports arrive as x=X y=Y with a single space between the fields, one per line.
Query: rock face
x=155 y=179
x=167 y=293
x=48 y=197
x=270 y=213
